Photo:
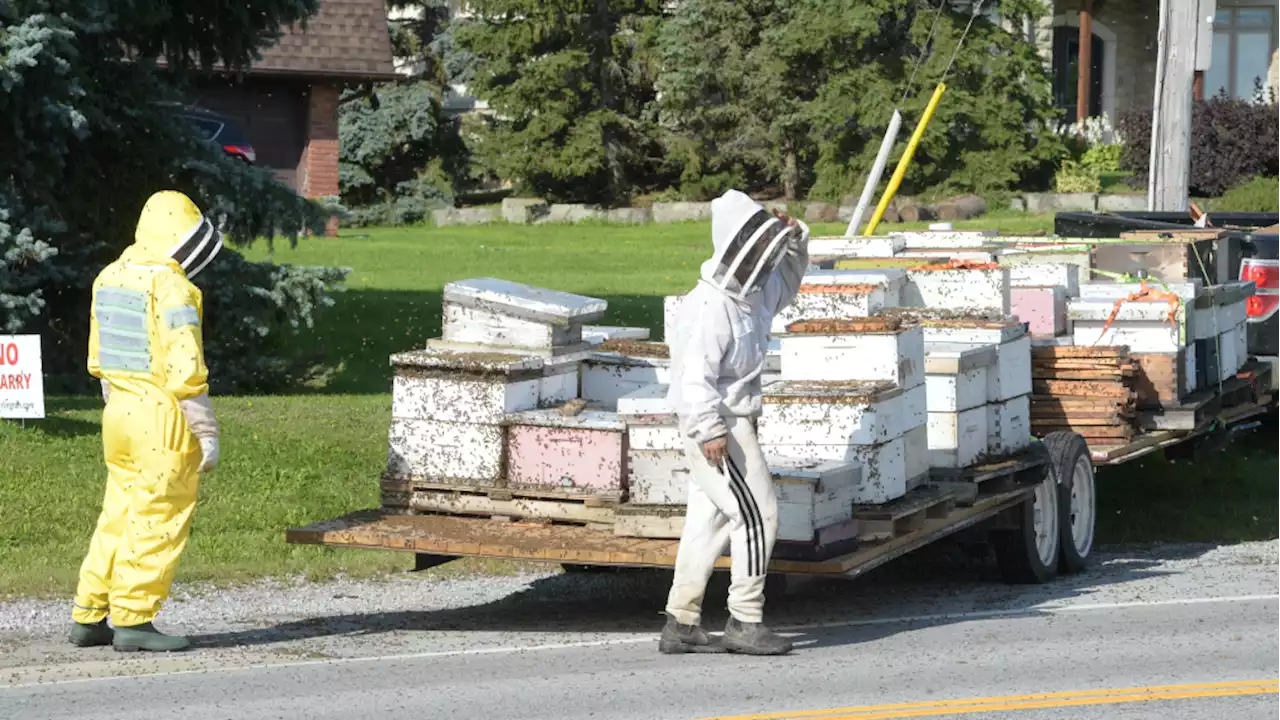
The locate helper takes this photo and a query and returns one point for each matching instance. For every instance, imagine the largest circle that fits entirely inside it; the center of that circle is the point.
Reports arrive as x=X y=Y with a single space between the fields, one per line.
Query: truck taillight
x=1265 y=275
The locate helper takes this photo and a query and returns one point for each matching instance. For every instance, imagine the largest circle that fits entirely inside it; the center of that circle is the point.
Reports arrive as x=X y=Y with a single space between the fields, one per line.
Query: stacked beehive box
x=1008 y=381
x=448 y=411
x=853 y=390
x=621 y=367
x=839 y=294
x=489 y=315
x=1043 y=279
x=657 y=468
x=956 y=377
x=959 y=286
x=1088 y=390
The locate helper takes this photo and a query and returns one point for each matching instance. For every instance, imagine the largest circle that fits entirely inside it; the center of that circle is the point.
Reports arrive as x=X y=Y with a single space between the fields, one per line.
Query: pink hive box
x=580 y=455
x=1043 y=308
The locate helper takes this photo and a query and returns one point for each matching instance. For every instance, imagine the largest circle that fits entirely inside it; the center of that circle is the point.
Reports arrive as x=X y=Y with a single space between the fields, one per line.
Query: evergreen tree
x=571 y=85
x=801 y=91
x=89 y=137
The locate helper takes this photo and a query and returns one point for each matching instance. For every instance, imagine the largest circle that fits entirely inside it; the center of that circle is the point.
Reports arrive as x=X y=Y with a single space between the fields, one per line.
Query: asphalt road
x=1181 y=633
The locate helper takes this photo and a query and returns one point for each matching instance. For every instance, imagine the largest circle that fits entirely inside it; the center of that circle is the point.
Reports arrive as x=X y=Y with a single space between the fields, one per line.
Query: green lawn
x=312 y=455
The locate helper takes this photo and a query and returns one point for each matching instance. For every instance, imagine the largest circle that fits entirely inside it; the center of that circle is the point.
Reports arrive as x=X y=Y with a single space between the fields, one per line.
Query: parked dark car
x=220 y=129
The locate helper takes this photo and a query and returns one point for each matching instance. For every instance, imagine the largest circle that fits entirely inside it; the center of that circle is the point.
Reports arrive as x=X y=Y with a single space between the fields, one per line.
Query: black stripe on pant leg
x=762 y=561
x=754 y=510
x=749 y=526
x=751 y=513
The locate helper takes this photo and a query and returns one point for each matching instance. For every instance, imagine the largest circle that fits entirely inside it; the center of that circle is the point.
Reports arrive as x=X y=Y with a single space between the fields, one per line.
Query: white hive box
x=917 y=458
x=445 y=452
x=608 y=376
x=501 y=313
x=915 y=407
x=956 y=375
x=844 y=351
x=957 y=439
x=1009 y=425
x=596 y=334
x=874 y=247
x=833 y=302
x=958 y=290
x=893 y=279
x=976 y=255
x=952 y=239
x=1144 y=327
x=560 y=379
x=831 y=413
x=884 y=466
x=657 y=468
x=812 y=495
x=1012 y=374
x=1219 y=309
x=1046 y=274
x=463 y=388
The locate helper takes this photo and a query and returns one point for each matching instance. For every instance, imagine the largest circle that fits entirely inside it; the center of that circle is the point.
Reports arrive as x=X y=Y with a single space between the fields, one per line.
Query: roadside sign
x=21 y=377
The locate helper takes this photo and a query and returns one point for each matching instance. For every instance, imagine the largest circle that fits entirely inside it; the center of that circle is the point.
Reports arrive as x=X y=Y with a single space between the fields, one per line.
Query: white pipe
x=1162 y=47
x=873 y=180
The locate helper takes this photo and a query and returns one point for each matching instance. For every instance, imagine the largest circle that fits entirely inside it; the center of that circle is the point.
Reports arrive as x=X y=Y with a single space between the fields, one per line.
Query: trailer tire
x=1028 y=553
x=1077 y=498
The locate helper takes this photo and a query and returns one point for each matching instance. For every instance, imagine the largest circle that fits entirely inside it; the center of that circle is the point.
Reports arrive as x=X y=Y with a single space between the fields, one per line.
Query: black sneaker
x=753 y=639
x=677 y=639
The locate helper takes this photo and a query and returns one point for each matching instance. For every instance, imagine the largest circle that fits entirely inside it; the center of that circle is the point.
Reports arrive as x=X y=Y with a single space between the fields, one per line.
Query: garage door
x=272 y=113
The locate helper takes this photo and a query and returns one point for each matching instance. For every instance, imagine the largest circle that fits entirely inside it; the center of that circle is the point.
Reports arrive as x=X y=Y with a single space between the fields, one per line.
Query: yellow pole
x=901 y=170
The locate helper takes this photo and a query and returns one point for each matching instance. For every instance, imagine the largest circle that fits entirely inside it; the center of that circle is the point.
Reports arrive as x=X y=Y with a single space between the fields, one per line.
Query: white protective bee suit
x=717 y=356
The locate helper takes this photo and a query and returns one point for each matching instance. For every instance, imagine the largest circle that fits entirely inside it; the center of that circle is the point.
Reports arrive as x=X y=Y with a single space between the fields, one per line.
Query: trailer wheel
x=1077 y=498
x=1028 y=553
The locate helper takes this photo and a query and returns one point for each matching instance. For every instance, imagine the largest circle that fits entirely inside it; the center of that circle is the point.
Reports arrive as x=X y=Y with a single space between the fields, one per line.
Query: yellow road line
x=1028 y=702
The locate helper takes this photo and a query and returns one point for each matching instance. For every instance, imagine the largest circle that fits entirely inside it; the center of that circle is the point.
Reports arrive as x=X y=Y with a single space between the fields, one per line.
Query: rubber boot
x=753 y=639
x=677 y=639
x=147 y=638
x=91 y=634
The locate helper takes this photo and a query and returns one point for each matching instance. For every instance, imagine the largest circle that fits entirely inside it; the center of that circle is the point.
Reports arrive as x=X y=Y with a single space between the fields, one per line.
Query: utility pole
x=1171 y=116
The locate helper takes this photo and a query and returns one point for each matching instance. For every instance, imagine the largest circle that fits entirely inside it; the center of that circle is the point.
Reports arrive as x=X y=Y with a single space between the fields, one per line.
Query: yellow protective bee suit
x=158 y=429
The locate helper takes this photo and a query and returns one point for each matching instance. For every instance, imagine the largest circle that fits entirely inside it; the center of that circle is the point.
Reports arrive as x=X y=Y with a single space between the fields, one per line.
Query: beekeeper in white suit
x=717 y=356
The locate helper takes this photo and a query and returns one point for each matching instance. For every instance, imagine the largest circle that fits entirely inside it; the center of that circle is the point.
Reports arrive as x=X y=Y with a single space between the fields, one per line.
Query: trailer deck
x=958 y=502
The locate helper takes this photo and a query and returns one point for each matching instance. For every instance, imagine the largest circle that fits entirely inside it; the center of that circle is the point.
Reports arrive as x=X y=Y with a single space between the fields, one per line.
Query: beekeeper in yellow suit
x=158 y=428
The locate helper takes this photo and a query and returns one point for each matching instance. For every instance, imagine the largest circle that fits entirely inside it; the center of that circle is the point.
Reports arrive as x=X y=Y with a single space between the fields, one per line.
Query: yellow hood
x=172 y=228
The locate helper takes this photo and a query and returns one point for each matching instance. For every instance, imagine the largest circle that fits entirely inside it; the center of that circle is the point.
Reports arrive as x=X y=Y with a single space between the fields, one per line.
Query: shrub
x=1231 y=142
x=1261 y=194
x=1077 y=177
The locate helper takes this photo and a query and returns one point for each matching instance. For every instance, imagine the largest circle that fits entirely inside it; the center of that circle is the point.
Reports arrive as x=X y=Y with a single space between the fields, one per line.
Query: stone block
x=629 y=216
x=681 y=212
x=1055 y=202
x=524 y=211
x=818 y=212
x=464 y=216
x=1122 y=203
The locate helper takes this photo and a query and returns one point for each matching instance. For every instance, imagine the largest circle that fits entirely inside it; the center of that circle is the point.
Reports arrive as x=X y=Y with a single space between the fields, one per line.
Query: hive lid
x=590 y=419
x=830 y=392
x=846 y=326
x=945 y=358
x=884 y=277
x=814 y=471
x=495 y=363
x=525 y=301
x=940 y=317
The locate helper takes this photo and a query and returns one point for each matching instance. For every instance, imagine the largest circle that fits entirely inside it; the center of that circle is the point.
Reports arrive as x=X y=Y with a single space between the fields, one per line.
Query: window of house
x=1066 y=72
x=1244 y=39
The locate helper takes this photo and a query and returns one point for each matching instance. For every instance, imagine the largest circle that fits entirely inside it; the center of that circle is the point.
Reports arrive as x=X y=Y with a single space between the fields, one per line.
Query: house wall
x=1130 y=32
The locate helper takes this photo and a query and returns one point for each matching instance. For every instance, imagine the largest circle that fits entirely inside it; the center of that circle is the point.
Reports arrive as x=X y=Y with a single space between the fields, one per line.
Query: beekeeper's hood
x=749 y=243
x=172 y=227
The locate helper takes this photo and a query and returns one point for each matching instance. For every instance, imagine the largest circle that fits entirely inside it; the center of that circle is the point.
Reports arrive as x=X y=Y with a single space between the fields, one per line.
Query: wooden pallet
x=906 y=514
x=497 y=503
x=1005 y=471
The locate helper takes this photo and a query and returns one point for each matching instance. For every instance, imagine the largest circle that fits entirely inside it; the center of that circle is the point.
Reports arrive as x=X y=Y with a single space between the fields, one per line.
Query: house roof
x=346 y=38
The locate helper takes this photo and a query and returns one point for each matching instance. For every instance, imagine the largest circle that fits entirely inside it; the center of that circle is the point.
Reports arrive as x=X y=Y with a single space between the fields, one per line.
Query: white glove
x=199 y=414
x=209 y=447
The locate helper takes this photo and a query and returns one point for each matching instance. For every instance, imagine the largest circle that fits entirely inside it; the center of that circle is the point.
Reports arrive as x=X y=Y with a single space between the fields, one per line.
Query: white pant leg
x=742 y=494
x=702 y=542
